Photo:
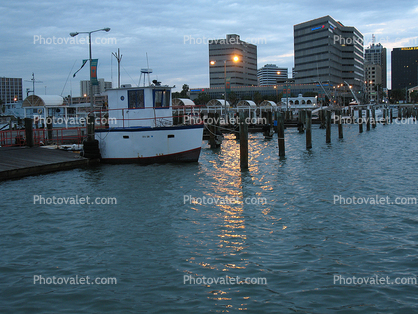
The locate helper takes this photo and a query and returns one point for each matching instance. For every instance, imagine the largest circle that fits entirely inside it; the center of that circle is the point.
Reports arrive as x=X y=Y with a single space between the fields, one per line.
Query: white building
x=271 y=74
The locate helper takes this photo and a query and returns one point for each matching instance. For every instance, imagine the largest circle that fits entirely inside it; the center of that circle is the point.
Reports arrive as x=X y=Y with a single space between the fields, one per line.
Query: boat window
x=161 y=98
x=136 y=99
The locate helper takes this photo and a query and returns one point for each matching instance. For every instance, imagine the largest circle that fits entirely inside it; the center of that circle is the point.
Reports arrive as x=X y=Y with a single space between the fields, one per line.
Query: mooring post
x=367 y=119
x=243 y=140
x=49 y=127
x=328 y=121
x=399 y=113
x=373 y=117
x=280 y=134
x=340 y=125
x=211 y=128
x=360 y=120
x=384 y=117
x=391 y=115
x=29 y=132
x=308 y=129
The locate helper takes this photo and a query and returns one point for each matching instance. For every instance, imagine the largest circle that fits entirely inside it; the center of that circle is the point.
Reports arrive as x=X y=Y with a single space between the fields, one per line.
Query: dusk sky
x=174 y=35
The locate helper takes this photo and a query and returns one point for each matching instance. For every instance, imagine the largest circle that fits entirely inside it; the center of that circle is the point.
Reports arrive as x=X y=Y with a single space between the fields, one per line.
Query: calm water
x=298 y=240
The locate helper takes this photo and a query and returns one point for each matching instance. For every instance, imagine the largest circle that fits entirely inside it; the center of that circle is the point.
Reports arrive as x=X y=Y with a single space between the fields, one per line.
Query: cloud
x=159 y=29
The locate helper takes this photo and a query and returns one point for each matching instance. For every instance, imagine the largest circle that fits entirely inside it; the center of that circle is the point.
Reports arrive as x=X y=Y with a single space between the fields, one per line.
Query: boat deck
x=17 y=162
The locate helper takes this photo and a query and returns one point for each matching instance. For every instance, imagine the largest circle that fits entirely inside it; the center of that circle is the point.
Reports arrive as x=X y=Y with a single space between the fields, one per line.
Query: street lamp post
x=235 y=59
x=90 y=120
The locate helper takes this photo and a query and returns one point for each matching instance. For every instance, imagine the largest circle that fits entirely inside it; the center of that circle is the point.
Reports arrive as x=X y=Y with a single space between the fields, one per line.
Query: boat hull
x=150 y=145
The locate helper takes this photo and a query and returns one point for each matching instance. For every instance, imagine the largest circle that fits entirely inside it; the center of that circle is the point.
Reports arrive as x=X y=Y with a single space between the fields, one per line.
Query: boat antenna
x=145 y=72
x=119 y=58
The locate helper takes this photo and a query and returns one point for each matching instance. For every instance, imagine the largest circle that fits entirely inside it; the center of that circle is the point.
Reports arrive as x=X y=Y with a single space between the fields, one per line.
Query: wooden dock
x=17 y=162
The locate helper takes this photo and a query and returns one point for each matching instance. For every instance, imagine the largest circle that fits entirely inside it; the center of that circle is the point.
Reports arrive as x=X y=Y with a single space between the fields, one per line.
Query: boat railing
x=43 y=136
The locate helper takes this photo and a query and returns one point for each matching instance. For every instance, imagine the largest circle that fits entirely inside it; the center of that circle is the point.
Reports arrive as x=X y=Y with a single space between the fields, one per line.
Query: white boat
x=141 y=128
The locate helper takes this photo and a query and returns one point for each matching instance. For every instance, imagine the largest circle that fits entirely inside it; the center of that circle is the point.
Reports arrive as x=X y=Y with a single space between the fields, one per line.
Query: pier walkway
x=16 y=162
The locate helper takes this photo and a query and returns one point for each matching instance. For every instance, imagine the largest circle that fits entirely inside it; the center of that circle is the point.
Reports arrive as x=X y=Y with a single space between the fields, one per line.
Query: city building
x=376 y=54
x=97 y=89
x=233 y=60
x=10 y=90
x=404 y=67
x=373 y=73
x=271 y=74
x=325 y=50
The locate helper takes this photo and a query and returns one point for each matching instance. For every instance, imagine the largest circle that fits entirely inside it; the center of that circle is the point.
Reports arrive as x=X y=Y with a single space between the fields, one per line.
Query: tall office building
x=239 y=72
x=327 y=51
x=376 y=54
x=404 y=67
x=271 y=74
x=97 y=89
x=10 y=89
x=373 y=80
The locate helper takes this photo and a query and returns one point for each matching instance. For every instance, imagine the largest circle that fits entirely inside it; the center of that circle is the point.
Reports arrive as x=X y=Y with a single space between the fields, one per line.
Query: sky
x=34 y=36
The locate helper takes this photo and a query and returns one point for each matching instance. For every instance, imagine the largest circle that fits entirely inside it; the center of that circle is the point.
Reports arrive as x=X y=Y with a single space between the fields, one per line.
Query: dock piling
x=328 y=126
x=243 y=140
x=280 y=125
x=308 y=129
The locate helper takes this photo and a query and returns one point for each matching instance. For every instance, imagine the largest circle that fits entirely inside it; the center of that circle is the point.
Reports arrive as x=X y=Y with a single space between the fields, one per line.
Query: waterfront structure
x=373 y=73
x=325 y=50
x=10 y=90
x=404 y=67
x=97 y=89
x=224 y=70
x=247 y=92
x=376 y=54
x=271 y=74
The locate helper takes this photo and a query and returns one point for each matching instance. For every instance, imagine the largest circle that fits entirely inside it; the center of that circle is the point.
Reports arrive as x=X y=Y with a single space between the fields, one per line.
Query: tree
x=202 y=99
x=175 y=95
x=396 y=95
x=257 y=97
x=310 y=94
x=232 y=98
x=414 y=97
x=184 y=92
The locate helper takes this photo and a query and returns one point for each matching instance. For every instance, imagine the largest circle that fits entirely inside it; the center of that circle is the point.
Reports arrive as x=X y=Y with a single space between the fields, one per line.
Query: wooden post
x=391 y=115
x=211 y=128
x=399 y=113
x=384 y=116
x=29 y=132
x=360 y=120
x=49 y=126
x=280 y=126
x=243 y=140
x=373 y=117
x=322 y=119
x=368 y=119
x=340 y=125
x=308 y=129
x=328 y=121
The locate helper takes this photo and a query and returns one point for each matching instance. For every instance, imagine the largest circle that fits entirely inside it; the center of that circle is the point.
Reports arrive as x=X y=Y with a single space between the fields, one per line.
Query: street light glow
x=236 y=59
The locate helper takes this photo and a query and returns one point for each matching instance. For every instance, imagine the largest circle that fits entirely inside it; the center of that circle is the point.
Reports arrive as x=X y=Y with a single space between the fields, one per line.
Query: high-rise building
x=404 y=67
x=376 y=54
x=373 y=80
x=10 y=89
x=233 y=59
x=271 y=74
x=97 y=89
x=327 y=51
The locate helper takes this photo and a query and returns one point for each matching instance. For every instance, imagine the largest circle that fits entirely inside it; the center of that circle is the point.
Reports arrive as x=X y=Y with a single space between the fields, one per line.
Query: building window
x=136 y=99
x=161 y=98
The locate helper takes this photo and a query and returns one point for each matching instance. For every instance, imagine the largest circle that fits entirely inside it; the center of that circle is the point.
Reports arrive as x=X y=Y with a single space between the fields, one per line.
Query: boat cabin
x=148 y=106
